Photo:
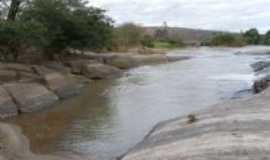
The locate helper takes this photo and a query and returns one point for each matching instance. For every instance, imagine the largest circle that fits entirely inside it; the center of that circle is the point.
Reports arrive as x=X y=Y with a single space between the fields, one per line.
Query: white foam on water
x=249 y=78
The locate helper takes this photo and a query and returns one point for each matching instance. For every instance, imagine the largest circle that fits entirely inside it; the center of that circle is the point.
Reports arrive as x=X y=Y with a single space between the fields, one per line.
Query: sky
x=225 y=15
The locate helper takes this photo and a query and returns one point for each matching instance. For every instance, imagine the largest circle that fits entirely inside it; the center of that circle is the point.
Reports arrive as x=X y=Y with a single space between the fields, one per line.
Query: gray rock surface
x=133 y=60
x=8 y=76
x=177 y=58
x=57 y=67
x=16 y=67
x=7 y=106
x=237 y=129
x=100 y=71
x=76 y=66
x=259 y=66
x=62 y=85
x=122 y=61
x=30 y=97
x=130 y=60
x=260 y=85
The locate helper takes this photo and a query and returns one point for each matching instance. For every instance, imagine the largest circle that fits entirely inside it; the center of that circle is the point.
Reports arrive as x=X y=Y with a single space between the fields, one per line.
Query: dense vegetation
x=227 y=39
x=52 y=26
x=130 y=35
x=250 y=37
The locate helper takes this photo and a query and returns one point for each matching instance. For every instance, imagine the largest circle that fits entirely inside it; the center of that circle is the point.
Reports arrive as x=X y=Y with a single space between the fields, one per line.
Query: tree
x=162 y=34
x=148 y=41
x=128 y=35
x=52 y=26
x=226 y=39
x=69 y=24
x=267 y=38
x=13 y=10
x=252 y=36
x=16 y=37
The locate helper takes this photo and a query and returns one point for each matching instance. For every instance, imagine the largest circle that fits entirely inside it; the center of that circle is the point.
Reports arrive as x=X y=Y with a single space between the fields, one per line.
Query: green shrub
x=226 y=39
x=127 y=36
x=17 y=36
x=252 y=36
x=148 y=41
x=68 y=25
x=267 y=38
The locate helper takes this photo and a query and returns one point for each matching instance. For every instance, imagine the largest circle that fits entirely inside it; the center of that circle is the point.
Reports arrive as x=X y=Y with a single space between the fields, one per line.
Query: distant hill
x=189 y=36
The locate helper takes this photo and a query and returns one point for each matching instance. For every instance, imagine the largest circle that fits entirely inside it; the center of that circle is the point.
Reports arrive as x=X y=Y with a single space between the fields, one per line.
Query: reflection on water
x=112 y=116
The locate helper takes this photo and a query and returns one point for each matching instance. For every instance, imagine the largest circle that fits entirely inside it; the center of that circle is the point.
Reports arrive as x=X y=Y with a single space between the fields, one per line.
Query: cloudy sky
x=231 y=15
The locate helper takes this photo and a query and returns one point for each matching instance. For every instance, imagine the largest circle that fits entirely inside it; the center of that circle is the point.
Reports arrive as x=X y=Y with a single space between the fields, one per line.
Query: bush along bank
x=29 y=88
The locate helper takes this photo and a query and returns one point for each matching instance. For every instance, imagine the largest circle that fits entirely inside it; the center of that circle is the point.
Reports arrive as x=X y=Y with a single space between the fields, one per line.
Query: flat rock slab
x=7 y=106
x=30 y=97
x=235 y=130
x=62 y=85
x=100 y=71
x=76 y=66
x=8 y=76
x=16 y=67
x=259 y=66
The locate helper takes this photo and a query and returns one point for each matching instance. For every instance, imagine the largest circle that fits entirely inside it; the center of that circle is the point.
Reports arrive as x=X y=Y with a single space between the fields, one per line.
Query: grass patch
x=166 y=45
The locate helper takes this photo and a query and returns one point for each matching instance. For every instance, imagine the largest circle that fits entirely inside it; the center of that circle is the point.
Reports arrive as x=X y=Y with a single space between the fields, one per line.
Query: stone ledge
x=30 y=97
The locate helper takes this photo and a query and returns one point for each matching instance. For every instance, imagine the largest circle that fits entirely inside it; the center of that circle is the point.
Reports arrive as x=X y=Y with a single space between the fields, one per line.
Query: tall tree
x=13 y=10
x=252 y=36
x=267 y=38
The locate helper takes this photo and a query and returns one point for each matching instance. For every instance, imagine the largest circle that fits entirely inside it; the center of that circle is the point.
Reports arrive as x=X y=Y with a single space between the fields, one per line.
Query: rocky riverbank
x=236 y=129
x=262 y=71
x=29 y=88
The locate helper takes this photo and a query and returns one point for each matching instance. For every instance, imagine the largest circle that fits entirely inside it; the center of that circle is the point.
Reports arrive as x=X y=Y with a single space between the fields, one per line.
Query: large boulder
x=30 y=97
x=12 y=72
x=177 y=58
x=260 y=85
x=259 y=66
x=16 y=67
x=122 y=61
x=151 y=59
x=234 y=130
x=100 y=71
x=76 y=66
x=134 y=60
x=57 y=66
x=62 y=85
x=41 y=70
x=8 y=76
x=7 y=106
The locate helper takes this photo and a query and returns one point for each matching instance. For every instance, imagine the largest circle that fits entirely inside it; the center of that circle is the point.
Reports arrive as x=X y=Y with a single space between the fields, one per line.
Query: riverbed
x=112 y=116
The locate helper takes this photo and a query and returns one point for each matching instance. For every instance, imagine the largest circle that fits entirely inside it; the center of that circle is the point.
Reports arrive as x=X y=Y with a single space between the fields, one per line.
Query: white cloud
x=233 y=15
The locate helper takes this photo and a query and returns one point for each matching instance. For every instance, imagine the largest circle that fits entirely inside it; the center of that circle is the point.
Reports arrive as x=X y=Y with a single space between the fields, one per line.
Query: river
x=112 y=116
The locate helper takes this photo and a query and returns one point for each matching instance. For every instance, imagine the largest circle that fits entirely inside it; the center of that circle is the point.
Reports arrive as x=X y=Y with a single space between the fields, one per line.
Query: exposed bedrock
x=30 y=97
x=262 y=71
x=233 y=130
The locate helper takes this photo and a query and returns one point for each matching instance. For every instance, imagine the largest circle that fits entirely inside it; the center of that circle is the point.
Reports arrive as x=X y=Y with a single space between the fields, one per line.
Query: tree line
x=250 y=37
x=51 y=26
